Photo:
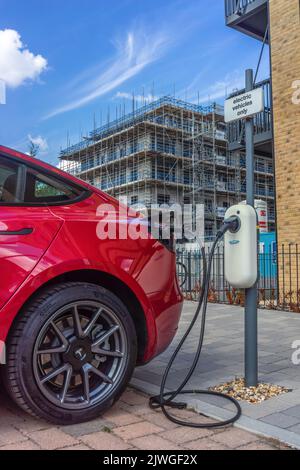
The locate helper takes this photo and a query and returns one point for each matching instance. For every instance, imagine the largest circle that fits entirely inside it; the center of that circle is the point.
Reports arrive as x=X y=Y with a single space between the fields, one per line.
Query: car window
x=9 y=181
x=42 y=188
x=22 y=184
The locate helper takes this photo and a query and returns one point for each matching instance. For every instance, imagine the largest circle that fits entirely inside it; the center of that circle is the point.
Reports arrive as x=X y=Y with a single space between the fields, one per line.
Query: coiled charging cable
x=166 y=400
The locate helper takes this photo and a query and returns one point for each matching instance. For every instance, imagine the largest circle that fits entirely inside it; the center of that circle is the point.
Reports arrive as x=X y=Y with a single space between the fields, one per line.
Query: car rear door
x=26 y=231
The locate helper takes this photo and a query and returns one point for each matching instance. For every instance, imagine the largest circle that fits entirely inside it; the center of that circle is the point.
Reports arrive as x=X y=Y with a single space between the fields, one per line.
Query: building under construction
x=167 y=152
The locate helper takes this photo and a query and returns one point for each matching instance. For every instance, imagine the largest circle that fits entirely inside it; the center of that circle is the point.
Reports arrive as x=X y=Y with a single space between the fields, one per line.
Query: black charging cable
x=166 y=400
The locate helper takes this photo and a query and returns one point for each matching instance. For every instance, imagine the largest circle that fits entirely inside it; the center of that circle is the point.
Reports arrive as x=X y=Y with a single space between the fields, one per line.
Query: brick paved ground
x=129 y=425
x=222 y=359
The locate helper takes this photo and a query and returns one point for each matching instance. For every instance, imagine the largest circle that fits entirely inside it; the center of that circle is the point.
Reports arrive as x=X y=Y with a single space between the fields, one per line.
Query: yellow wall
x=285 y=54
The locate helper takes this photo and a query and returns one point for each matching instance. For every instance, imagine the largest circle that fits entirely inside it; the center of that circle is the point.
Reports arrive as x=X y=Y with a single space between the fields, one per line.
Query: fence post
x=283 y=276
x=189 y=272
x=290 y=273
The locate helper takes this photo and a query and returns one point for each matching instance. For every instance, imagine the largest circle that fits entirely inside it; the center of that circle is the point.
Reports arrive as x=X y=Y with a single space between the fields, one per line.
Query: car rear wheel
x=71 y=353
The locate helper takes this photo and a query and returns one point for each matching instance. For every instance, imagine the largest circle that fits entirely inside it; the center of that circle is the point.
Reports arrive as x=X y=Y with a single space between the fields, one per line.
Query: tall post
x=251 y=346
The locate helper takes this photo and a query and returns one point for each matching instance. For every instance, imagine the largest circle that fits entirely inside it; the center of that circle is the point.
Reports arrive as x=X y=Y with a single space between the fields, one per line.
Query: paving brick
x=87 y=428
x=159 y=419
x=132 y=431
x=133 y=398
x=154 y=442
x=205 y=444
x=24 y=445
x=10 y=435
x=30 y=424
x=139 y=410
x=272 y=368
x=188 y=415
x=293 y=411
x=234 y=438
x=295 y=428
x=120 y=417
x=257 y=446
x=10 y=418
x=282 y=420
x=183 y=434
x=104 y=441
x=51 y=439
x=77 y=447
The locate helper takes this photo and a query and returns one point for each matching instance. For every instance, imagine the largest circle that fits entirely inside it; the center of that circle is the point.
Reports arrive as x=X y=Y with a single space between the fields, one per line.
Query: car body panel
x=19 y=254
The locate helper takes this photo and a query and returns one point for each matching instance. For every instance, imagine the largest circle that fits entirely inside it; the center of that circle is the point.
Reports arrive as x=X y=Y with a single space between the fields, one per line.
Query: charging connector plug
x=232 y=224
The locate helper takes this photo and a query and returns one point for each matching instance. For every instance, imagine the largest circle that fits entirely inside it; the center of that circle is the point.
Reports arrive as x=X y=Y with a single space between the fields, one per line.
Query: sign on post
x=2 y=92
x=245 y=105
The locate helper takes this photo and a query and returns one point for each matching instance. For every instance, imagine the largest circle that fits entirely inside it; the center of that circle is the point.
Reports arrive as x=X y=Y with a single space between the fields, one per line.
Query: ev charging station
x=243 y=254
x=240 y=248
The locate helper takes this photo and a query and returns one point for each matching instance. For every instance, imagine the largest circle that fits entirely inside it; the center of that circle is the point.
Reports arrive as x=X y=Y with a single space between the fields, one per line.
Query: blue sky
x=70 y=63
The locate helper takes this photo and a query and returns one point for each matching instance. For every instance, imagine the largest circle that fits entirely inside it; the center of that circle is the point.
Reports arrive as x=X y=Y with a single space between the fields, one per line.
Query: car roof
x=35 y=162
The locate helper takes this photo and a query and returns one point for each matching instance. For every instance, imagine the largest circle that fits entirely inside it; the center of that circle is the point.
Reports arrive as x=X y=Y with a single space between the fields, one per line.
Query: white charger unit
x=241 y=248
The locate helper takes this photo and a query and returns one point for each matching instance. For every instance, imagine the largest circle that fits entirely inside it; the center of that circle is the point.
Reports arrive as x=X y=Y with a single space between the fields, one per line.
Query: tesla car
x=77 y=312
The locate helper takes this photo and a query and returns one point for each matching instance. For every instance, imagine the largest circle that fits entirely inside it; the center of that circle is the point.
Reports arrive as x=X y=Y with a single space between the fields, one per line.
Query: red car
x=77 y=313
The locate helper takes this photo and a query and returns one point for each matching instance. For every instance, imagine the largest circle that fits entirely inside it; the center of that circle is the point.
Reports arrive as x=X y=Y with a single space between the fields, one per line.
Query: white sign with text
x=245 y=105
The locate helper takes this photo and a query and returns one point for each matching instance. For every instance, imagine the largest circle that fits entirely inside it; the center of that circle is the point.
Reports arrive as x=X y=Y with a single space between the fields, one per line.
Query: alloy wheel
x=80 y=355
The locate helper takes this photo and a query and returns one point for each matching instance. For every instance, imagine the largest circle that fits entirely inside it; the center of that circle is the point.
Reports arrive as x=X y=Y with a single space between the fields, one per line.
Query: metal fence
x=288 y=277
x=278 y=287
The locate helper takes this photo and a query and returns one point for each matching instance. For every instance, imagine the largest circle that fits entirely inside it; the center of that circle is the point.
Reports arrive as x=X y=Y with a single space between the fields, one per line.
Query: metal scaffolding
x=167 y=152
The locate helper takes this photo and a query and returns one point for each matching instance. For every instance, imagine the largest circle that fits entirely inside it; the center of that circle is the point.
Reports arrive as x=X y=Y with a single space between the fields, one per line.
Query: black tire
x=21 y=374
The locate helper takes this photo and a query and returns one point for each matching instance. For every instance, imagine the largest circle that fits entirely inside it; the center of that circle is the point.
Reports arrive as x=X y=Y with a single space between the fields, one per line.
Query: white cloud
x=222 y=88
x=17 y=63
x=147 y=98
x=40 y=142
x=132 y=56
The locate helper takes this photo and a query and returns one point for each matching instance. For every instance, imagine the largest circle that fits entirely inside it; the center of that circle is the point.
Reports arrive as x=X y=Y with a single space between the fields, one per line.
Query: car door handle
x=23 y=231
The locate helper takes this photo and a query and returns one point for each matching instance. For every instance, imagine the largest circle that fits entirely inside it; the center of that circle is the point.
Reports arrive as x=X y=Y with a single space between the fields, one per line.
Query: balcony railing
x=248 y=16
x=262 y=123
x=236 y=7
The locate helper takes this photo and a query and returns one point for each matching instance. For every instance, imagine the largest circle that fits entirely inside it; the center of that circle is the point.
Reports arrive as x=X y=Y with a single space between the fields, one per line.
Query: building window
x=134 y=199
x=163 y=199
x=208 y=205
x=209 y=231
